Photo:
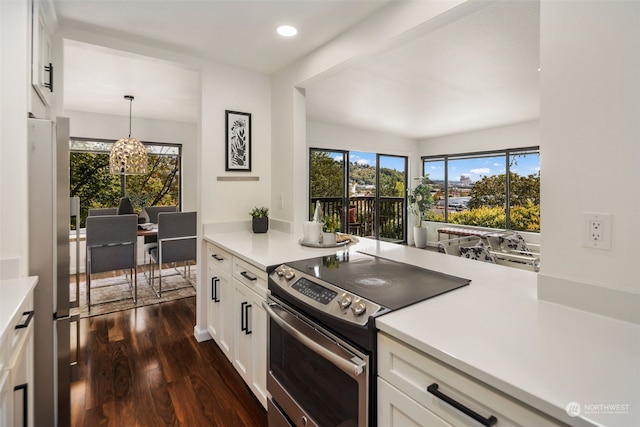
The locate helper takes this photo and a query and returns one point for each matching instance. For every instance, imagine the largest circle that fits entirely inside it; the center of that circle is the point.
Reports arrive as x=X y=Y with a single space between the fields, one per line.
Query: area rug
x=113 y=294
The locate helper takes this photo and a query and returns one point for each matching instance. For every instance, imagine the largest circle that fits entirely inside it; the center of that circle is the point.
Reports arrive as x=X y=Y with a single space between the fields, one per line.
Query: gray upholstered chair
x=112 y=245
x=177 y=237
x=102 y=211
x=152 y=212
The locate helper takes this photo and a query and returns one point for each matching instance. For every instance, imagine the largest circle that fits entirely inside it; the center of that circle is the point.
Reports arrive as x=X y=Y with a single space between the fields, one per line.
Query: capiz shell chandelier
x=128 y=155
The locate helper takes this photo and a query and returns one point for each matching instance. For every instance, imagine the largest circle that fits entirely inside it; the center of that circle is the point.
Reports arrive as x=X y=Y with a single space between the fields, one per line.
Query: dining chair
x=111 y=244
x=102 y=211
x=152 y=212
x=177 y=237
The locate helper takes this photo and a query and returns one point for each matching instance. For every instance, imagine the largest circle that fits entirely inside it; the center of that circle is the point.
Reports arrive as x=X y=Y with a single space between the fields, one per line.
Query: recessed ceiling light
x=287 y=30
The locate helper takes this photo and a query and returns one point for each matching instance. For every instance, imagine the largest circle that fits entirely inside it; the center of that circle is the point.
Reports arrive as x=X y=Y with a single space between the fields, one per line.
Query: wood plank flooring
x=143 y=367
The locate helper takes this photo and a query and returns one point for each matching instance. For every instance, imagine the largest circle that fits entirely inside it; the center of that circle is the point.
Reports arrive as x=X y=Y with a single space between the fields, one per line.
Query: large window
x=97 y=188
x=498 y=189
x=366 y=190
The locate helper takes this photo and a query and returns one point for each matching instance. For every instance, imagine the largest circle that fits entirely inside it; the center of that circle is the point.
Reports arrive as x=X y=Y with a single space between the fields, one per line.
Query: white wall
x=104 y=126
x=14 y=94
x=391 y=25
x=590 y=147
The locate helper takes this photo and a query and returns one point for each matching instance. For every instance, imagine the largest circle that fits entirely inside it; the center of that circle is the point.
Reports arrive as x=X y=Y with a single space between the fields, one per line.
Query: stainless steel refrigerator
x=49 y=220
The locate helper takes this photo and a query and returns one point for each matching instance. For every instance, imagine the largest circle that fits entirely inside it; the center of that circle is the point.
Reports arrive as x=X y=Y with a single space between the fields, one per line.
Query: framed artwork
x=238 y=140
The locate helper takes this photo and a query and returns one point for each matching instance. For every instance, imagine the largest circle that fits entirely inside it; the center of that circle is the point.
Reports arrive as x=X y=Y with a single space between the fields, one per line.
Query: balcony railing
x=392 y=215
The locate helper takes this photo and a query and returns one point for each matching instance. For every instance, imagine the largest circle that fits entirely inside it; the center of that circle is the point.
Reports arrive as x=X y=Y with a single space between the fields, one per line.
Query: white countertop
x=496 y=330
x=12 y=294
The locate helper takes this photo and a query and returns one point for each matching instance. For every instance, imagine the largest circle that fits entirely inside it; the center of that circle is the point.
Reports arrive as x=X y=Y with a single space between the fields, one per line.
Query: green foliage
x=331 y=224
x=491 y=190
x=91 y=181
x=327 y=177
x=525 y=218
x=419 y=197
x=261 y=212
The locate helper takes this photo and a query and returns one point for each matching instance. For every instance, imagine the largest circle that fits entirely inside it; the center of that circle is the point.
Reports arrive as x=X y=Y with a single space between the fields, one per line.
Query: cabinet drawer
x=251 y=276
x=16 y=331
x=397 y=409
x=412 y=372
x=219 y=257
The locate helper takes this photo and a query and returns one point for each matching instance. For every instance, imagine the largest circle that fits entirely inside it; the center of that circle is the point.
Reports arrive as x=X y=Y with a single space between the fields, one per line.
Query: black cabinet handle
x=248 y=276
x=25 y=403
x=26 y=322
x=246 y=316
x=216 y=257
x=49 y=69
x=214 y=289
x=243 y=313
x=433 y=389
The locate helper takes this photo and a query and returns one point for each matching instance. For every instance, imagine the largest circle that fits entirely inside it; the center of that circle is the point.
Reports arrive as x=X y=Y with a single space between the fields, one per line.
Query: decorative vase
x=328 y=239
x=260 y=225
x=420 y=237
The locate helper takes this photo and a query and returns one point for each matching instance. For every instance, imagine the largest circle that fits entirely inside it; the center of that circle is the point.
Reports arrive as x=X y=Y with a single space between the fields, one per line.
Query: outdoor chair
x=177 y=238
x=112 y=245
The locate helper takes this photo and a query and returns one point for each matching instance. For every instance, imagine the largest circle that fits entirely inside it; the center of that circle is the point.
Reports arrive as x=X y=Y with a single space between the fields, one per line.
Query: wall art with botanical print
x=238 y=139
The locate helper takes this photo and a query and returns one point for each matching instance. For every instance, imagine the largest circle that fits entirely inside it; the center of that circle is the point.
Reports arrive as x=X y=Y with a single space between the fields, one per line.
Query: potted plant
x=260 y=219
x=330 y=227
x=420 y=200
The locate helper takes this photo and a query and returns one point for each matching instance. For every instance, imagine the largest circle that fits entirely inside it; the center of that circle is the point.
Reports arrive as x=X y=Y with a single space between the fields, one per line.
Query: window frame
x=507 y=153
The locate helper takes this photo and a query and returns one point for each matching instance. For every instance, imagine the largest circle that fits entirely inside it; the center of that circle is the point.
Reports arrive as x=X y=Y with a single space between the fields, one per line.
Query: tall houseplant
x=420 y=200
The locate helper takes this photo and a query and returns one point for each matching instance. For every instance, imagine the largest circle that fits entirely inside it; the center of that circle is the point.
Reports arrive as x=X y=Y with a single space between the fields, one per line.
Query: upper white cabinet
x=42 y=67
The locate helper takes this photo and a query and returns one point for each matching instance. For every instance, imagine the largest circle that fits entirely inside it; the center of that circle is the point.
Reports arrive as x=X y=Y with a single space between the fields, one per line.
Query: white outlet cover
x=604 y=231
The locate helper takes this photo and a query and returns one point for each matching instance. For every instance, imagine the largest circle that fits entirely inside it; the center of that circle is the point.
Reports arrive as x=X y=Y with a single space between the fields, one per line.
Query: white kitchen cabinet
x=41 y=55
x=419 y=390
x=236 y=319
x=17 y=365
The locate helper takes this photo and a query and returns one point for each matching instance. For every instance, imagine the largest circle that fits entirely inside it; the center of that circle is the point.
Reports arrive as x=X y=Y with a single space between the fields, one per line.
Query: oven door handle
x=350 y=367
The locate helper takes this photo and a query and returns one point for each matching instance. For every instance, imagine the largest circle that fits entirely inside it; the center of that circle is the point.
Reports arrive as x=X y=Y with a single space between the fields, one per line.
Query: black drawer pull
x=49 y=69
x=25 y=403
x=248 y=276
x=217 y=258
x=214 y=289
x=243 y=313
x=247 y=330
x=26 y=322
x=433 y=389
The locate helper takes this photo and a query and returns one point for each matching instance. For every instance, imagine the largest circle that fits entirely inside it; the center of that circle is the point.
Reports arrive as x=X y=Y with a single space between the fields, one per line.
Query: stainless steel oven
x=322 y=335
x=316 y=378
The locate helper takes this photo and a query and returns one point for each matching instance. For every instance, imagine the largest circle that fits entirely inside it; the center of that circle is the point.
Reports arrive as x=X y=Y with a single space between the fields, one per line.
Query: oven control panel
x=324 y=296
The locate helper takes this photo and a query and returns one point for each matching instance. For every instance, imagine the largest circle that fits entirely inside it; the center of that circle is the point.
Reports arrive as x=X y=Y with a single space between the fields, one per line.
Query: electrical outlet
x=597 y=230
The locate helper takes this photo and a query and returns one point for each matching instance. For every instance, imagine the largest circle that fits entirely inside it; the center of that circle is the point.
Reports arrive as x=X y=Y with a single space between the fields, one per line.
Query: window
x=473 y=188
x=91 y=181
x=371 y=185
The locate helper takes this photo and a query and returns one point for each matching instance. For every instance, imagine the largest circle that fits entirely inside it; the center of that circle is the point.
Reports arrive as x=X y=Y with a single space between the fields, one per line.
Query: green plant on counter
x=259 y=212
x=331 y=224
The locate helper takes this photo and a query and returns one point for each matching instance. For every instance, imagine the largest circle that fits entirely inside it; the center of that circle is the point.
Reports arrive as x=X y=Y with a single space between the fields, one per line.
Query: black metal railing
x=361 y=222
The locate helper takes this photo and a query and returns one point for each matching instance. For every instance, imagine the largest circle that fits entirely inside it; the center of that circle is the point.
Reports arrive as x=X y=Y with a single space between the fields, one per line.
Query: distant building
x=465 y=181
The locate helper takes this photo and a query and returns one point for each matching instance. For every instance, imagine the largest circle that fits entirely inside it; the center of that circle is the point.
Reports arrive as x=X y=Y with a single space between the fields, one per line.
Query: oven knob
x=344 y=300
x=280 y=271
x=289 y=274
x=358 y=307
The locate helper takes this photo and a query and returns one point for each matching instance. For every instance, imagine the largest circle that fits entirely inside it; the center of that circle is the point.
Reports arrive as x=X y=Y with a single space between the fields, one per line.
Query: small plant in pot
x=330 y=227
x=260 y=219
x=420 y=200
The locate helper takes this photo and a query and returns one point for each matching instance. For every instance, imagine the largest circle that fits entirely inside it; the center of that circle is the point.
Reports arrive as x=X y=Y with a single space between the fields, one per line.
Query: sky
x=473 y=168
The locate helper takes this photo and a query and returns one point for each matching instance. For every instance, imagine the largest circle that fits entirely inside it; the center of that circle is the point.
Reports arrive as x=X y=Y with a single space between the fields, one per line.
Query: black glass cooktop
x=389 y=283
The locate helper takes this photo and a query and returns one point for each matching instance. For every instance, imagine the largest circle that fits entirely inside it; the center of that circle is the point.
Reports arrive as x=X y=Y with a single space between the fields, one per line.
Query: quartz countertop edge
x=12 y=294
x=496 y=330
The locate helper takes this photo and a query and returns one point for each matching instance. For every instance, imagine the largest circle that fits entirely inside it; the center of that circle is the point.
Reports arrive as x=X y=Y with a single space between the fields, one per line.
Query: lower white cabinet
x=415 y=389
x=236 y=319
x=16 y=368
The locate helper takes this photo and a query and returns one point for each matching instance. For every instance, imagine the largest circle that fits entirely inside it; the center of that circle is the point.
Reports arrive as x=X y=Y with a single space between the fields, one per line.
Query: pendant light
x=128 y=155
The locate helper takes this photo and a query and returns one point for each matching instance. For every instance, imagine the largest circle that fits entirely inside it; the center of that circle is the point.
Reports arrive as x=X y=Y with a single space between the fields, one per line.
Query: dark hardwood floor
x=143 y=367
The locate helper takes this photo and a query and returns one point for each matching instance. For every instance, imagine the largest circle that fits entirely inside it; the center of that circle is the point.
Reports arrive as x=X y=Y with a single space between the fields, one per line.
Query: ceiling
x=480 y=71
